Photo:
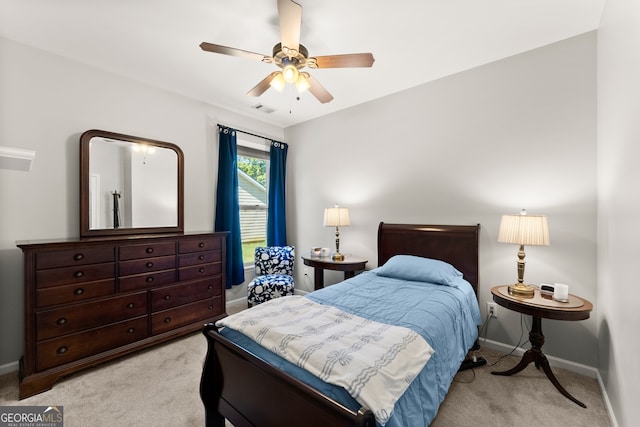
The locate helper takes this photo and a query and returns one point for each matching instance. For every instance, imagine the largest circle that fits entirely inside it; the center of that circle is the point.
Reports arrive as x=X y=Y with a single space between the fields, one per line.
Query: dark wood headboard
x=455 y=244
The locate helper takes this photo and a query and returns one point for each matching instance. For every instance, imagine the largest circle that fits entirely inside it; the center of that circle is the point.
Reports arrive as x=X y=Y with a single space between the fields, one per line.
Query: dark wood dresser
x=89 y=301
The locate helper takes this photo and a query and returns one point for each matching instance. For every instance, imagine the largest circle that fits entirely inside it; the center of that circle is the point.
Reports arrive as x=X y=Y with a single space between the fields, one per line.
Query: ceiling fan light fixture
x=278 y=82
x=291 y=57
x=290 y=73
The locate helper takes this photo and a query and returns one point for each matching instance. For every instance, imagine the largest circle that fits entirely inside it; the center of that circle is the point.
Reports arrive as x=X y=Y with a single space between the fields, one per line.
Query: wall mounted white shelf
x=16 y=159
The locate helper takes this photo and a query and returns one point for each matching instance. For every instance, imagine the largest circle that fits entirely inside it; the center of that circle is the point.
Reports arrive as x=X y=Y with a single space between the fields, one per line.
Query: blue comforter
x=447 y=316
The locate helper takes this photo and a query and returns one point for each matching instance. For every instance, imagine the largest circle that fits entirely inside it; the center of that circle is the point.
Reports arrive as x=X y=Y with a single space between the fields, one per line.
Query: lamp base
x=337 y=257
x=521 y=291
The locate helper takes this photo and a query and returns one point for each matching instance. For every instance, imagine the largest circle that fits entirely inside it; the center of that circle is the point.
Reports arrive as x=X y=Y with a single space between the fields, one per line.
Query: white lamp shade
x=290 y=73
x=278 y=82
x=336 y=217
x=528 y=230
x=302 y=84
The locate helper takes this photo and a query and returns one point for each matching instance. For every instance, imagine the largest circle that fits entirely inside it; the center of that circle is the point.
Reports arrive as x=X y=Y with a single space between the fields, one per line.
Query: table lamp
x=336 y=217
x=523 y=229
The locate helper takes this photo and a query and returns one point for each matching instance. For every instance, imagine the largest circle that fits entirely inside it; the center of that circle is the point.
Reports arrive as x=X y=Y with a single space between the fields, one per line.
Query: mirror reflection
x=129 y=185
x=132 y=185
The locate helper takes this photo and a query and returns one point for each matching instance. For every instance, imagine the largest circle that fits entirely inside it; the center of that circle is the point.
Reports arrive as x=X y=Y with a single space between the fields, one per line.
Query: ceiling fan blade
x=341 y=61
x=216 y=48
x=317 y=90
x=290 y=14
x=264 y=84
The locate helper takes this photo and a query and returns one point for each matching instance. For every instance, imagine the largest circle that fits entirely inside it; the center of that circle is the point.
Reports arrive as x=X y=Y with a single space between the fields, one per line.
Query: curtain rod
x=248 y=133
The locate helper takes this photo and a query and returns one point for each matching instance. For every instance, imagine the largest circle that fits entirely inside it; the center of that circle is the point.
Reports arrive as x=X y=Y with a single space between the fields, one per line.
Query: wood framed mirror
x=129 y=185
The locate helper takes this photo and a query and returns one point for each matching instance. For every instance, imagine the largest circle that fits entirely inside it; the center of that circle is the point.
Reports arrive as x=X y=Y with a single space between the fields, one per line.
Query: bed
x=251 y=386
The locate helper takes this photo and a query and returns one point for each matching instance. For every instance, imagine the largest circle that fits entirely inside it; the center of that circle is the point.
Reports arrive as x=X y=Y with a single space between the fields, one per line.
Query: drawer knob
x=62 y=350
x=78 y=274
x=149 y=279
x=149 y=264
x=78 y=291
x=210 y=307
x=167 y=320
x=201 y=270
x=201 y=245
x=61 y=321
x=130 y=330
x=201 y=257
x=78 y=257
x=130 y=305
x=149 y=250
x=167 y=297
x=210 y=287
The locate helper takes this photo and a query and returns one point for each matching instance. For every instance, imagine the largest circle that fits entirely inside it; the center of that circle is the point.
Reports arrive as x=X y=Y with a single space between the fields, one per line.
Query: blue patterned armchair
x=274 y=274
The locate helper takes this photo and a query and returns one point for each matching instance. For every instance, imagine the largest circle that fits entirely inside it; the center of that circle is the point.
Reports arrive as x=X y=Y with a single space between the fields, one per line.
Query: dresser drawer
x=200 y=311
x=199 y=271
x=72 y=347
x=72 y=293
x=145 y=281
x=77 y=256
x=147 y=250
x=195 y=258
x=146 y=265
x=172 y=296
x=74 y=275
x=198 y=245
x=74 y=318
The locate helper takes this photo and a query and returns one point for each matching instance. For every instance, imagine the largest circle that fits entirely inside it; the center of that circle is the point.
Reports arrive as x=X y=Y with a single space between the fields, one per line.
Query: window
x=253 y=174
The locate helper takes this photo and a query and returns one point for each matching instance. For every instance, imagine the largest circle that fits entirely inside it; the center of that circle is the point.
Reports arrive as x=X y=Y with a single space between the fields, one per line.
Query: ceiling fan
x=292 y=57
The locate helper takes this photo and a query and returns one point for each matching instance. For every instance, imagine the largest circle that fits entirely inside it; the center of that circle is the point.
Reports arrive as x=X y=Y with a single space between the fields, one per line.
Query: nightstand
x=350 y=266
x=541 y=307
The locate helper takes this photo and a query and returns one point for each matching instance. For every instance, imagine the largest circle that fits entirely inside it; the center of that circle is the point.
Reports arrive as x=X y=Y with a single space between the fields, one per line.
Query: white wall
x=46 y=104
x=619 y=205
x=517 y=133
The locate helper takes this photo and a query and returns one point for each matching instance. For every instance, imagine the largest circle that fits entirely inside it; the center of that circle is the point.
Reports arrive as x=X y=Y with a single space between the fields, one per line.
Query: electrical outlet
x=492 y=309
x=306 y=271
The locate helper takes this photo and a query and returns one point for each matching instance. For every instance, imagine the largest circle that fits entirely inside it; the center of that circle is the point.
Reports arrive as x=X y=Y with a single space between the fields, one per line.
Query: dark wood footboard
x=247 y=391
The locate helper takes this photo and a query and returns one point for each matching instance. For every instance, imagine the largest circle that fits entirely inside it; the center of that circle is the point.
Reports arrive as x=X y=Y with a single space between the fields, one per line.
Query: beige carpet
x=526 y=399
x=159 y=387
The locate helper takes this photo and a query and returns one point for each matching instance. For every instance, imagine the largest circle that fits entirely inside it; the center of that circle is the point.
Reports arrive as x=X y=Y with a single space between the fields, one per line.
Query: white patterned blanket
x=373 y=361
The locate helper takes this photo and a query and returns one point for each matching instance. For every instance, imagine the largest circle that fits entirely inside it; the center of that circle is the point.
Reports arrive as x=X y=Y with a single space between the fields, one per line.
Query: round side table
x=540 y=307
x=350 y=266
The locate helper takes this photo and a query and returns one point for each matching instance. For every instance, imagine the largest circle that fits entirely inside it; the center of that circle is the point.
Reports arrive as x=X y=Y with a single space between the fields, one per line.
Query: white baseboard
x=9 y=367
x=237 y=301
x=607 y=402
x=578 y=368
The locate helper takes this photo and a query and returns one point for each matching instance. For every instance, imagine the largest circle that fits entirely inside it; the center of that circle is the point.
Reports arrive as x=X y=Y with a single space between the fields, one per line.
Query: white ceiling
x=412 y=41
